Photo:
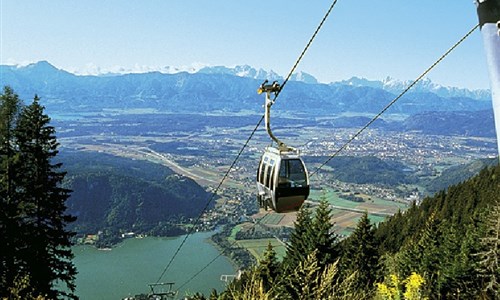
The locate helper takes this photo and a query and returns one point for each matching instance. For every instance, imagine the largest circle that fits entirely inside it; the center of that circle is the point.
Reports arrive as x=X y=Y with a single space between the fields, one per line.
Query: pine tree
x=269 y=268
x=361 y=255
x=48 y=254
x=324 y=239
x=299 y=245
x=489 y=264
x=423 y=256
x=311 y=235
x=9 y=110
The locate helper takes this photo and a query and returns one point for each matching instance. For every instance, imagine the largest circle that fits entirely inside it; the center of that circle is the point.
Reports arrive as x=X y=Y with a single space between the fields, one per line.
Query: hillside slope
x=119 y=194
x=459 y=206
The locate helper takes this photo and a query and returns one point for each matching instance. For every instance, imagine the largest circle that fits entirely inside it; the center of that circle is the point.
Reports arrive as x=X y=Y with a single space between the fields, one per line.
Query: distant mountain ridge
x=217 y=89
x=423 y=86
x=249 y=72
x=239 y=70
x=389 y=84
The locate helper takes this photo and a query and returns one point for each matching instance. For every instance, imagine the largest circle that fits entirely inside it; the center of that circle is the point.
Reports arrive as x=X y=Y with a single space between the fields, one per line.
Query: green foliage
x=311 y=280
x=9 y=212
x=36 y=243
x=118 y=194
x=460 y=205
x=324 y=240
x=445 y=248
x=312 y=233
x=489 y=264
x=368 y=169
x=299 y=245
x=308 y=280
x=440 y=238
x=268 y=268
x=248 y=287
x=360 y=255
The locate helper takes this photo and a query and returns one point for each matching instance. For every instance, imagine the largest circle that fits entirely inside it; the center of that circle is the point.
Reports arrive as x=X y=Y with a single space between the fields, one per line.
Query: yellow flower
x=390 y=291
x=413 y=286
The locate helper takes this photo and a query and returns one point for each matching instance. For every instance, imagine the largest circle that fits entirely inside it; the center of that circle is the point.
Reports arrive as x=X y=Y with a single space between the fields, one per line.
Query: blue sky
x=371 y=39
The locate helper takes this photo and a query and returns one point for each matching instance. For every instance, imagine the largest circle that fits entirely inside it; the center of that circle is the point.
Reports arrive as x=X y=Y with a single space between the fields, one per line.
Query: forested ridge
x=448 y=247
x=116 y=195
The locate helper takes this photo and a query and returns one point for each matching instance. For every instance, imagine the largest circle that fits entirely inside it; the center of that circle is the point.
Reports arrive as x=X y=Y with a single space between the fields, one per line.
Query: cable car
x=282 y=178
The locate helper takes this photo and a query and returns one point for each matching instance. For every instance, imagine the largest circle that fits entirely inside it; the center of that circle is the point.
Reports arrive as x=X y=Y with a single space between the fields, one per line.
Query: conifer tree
x=324 y=239
x=423 y=256
x=489 y=265
x=269 y=268
x=300 y=244
x=459 y=276
x=9 y=210
x=47 y=255
x=361 y=255
x=313 y=235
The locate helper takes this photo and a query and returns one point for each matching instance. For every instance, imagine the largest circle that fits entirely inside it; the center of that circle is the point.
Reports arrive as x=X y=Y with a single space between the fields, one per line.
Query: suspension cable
x=394 y=101
x=214 y=193
x=211 y=198
x=306 y=47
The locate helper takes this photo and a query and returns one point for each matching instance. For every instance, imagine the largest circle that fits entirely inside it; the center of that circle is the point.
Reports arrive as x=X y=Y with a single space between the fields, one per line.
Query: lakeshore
x=127 y=268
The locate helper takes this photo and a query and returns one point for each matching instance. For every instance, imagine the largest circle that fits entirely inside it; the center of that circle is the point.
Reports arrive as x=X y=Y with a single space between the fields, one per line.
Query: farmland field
x=257 y=247
x=271 y=219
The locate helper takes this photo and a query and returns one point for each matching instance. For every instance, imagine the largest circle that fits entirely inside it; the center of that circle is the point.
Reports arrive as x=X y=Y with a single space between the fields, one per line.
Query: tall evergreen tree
x=489 y=264
x=268 y=268
x=324 y=239
x=9 y=110
x=48 y=256
x=312 y=233
x=361 y=255
x=300 y=244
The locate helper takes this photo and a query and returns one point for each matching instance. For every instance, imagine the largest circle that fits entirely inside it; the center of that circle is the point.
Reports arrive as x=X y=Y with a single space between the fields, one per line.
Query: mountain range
x=228 y=90
x=425 y=85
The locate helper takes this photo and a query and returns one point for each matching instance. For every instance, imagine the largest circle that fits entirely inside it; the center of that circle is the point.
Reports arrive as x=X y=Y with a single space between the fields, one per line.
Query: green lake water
x=128 y=268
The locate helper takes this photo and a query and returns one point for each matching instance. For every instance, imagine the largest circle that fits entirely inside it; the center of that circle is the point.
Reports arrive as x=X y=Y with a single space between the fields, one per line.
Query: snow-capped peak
x=396 y=86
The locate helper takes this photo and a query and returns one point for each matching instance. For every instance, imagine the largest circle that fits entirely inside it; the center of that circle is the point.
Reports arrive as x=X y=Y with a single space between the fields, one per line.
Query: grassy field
x=333 y=198
x=258 y=246
x=383 y=202
x=271 y=219
x=234 y=231
x=346 y=214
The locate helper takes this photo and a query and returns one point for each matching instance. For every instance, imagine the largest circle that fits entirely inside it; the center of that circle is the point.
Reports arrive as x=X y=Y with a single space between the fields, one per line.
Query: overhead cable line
x=214 y=193
x=211 y=198
x=394 y=101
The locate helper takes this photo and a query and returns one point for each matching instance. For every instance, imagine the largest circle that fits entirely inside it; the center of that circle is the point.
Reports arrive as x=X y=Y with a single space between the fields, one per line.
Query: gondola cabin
x=282 y=180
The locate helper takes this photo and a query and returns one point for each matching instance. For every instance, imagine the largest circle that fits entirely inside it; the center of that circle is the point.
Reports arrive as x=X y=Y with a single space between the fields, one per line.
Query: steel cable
x=214 y=193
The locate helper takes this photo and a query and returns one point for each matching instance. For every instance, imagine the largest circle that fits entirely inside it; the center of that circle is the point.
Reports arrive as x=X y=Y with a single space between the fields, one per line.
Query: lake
x=127 y=269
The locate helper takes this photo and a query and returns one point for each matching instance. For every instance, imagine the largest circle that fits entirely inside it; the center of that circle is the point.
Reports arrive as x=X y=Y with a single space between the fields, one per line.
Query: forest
x=115 y=195
x=448 y=247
